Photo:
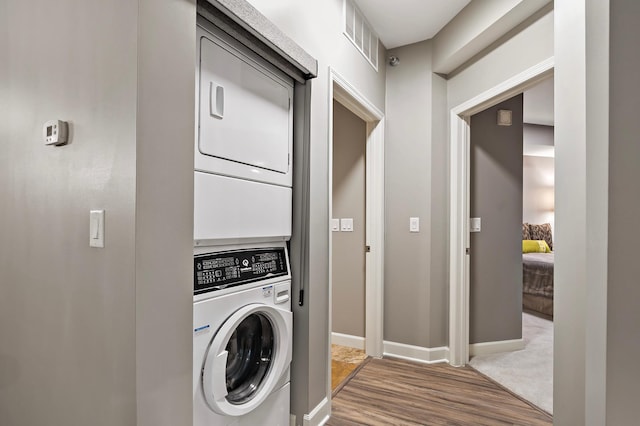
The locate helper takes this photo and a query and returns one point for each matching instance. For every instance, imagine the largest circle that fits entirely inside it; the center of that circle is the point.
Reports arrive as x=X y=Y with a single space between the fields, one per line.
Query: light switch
x=475 y=224
x=335 y=225
x=96 y=228
x=346 y=224
x=414 y=224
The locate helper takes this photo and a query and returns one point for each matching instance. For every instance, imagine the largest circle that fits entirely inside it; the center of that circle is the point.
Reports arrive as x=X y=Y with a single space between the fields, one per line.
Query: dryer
x=242 y=336
x=243 y=153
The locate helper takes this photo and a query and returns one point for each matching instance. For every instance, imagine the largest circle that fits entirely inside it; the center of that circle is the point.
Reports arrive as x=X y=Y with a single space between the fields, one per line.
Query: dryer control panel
x=220 y=270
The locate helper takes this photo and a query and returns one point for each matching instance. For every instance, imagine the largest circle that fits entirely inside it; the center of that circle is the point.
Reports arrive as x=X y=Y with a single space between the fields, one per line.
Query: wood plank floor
x=396 y=392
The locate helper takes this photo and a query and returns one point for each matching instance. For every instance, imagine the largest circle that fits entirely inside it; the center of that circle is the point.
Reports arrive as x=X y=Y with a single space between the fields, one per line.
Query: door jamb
x=345 y=93
x=459 y=200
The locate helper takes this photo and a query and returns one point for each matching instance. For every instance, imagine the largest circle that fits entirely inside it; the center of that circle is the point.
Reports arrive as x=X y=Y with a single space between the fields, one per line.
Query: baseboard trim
x=319 y=415
x=489 y=348
x=347 y=340
x=416 y=353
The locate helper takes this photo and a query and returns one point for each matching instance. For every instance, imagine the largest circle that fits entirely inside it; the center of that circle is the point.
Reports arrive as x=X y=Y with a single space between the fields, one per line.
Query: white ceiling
x=401 y=22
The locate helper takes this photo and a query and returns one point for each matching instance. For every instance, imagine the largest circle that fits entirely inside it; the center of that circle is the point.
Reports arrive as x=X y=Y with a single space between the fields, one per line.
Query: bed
x=537 y=271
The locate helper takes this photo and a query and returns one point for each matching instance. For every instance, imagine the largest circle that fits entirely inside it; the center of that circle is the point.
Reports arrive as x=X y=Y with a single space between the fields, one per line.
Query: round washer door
x=246 y=358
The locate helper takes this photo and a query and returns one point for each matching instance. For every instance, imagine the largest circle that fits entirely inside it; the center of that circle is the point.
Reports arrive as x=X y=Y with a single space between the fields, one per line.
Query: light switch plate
x=346 y=224
x=335 y=225
x=414 y=224
x=96 y=228
x=475 y=224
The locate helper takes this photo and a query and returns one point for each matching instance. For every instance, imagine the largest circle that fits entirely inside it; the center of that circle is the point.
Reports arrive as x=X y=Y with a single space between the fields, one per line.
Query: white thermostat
x=55 y=132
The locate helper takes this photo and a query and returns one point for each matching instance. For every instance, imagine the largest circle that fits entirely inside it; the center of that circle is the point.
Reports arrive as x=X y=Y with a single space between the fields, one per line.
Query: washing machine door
x=246 y=358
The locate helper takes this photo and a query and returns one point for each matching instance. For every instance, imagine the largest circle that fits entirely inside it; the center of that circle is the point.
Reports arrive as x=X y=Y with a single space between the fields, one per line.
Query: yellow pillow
x=535 y=246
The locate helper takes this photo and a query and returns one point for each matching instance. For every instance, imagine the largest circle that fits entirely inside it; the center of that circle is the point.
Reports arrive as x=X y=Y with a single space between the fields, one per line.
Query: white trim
x=319 y=415
x=345 y=93
x=374 y=263
x=490 y=348
x=347 y=340
x=348 y=96
x=459 y=200
x=416 y=353
x=506 y=89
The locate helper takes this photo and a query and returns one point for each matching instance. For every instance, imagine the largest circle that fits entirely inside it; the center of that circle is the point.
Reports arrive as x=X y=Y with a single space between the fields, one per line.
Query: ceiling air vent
x=358 y=30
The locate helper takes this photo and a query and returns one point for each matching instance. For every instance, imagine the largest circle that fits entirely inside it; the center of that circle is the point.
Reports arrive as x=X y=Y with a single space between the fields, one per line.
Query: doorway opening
x=460 y=117
x=360 y=220
x=511 y=257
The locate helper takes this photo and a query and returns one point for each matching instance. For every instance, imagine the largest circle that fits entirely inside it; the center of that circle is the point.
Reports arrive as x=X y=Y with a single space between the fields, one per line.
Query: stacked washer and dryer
x=242 y=222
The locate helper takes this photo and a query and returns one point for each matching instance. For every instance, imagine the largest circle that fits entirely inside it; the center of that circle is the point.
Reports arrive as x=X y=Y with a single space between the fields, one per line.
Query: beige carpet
x=528 y=372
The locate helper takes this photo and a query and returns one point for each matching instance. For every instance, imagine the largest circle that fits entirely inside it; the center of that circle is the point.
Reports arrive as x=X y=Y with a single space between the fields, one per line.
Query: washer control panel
x=220 y=270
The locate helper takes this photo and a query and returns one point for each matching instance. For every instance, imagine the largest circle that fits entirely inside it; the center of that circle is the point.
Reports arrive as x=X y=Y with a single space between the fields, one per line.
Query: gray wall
x=495 y=299
x=348 y=256
x=416 y=182
x=537 y=189
x=526 y=48
x=623 y=315
x=317 y=28
x=164 y=212
x=476 y=29
x=86 y=338
x=415 y=307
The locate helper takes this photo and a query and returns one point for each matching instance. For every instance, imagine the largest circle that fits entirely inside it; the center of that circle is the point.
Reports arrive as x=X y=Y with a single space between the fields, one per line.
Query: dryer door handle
x=216 y=100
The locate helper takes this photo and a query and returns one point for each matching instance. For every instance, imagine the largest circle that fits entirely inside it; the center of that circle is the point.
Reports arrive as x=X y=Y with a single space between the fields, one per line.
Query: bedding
x=537 y=283
x=537 y=271
x=537 y=274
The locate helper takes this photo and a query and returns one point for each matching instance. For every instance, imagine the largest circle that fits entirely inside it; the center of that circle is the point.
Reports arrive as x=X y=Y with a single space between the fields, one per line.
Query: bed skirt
x=538 y=305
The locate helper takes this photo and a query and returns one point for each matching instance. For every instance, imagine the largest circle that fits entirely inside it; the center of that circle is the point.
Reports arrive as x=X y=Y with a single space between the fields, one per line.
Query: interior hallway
x=390 y=391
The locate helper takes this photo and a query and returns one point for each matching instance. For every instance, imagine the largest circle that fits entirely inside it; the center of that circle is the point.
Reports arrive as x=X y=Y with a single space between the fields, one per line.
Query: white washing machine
x=243 y=153
x=242 y=341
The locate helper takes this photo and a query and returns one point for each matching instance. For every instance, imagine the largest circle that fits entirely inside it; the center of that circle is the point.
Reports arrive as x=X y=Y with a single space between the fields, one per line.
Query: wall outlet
x=346 y=224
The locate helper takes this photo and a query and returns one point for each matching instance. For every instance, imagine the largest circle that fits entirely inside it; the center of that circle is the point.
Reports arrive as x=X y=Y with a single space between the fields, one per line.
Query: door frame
x=460 y=120
x=345 y=93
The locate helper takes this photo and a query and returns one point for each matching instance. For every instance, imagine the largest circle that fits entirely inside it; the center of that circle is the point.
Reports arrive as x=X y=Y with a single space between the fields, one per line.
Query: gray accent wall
x=348 y=248
x=96 y=336
x=495 y=262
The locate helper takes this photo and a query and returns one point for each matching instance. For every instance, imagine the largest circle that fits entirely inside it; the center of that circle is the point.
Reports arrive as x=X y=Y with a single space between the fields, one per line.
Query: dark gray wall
x=623 y=315
x=348 y=256
x=496 y=197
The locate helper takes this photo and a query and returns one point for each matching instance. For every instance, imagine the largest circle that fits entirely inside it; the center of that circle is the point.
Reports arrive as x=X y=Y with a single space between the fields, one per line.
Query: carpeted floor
x=528 y=372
